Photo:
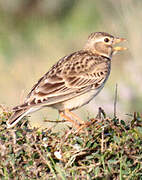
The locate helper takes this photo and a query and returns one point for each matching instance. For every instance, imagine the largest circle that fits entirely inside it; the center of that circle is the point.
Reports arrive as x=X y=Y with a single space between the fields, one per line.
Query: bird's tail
x=17 y=116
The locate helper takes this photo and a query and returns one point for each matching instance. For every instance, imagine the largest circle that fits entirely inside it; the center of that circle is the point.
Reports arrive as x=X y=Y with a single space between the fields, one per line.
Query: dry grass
x=107 y=149
x=33 y=49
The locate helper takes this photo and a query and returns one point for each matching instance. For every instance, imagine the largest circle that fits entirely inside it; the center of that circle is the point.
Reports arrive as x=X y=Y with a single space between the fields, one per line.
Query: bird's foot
x=82 y=127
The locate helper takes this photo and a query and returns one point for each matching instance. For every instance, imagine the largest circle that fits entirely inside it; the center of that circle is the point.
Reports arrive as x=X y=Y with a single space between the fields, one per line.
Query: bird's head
x=103 y=44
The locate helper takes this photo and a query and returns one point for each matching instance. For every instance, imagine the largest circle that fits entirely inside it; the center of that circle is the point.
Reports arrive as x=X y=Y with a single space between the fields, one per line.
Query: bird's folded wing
x=61 y=87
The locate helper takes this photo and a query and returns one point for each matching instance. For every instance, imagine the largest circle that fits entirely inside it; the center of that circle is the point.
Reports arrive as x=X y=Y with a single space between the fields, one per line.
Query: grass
x=107 y=149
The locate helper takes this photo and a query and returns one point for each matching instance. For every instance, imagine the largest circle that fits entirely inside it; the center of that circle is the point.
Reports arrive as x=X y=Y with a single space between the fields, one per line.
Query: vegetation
x=109 y=148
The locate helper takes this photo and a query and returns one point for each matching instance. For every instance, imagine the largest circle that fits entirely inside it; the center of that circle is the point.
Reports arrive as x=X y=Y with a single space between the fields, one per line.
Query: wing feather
x=65 y=80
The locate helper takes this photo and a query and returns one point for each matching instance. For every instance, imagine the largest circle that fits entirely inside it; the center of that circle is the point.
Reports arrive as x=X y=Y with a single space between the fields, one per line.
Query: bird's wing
x=70 y=77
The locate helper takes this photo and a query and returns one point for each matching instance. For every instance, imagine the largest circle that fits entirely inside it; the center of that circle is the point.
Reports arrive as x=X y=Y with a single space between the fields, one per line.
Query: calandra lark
x=73 y=81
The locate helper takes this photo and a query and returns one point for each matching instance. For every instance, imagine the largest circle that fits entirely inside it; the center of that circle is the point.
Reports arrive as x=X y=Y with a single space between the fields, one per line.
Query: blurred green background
x=34 y=34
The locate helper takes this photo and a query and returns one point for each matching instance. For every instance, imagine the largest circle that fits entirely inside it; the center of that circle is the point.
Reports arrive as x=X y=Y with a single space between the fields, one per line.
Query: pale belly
x=78 y=101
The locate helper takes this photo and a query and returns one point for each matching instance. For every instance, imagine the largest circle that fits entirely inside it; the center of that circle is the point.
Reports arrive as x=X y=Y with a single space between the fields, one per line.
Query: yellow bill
x=118 y=48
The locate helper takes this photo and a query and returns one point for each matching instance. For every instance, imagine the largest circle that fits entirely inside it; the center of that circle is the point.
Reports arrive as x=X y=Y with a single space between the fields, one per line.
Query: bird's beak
x=118 y=48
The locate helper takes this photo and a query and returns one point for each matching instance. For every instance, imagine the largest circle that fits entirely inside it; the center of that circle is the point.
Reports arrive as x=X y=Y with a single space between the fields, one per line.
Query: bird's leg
x=79 y=126
x=70 y=120
x=82 y=123
x=74 y=116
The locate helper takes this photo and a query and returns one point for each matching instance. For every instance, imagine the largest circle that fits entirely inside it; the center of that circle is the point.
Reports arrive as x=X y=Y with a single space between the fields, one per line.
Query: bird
x=73 y=81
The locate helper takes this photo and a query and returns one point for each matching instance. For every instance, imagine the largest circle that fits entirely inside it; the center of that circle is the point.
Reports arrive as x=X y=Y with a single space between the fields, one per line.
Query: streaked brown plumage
x=73 y=81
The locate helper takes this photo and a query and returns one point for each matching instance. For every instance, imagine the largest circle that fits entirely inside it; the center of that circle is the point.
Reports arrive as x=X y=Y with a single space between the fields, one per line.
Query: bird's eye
x=106 y=39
